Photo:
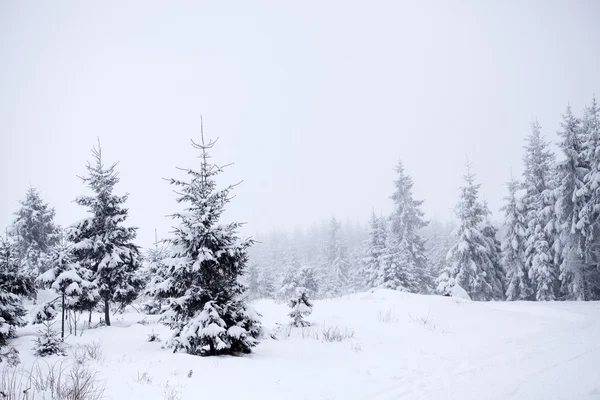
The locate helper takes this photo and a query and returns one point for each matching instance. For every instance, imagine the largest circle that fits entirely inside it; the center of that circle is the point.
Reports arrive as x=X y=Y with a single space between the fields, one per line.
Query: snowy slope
x=403 y=346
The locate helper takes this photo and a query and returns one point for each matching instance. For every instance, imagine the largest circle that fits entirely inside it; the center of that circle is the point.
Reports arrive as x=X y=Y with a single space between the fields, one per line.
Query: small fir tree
x=49 y=343
x=301 y=308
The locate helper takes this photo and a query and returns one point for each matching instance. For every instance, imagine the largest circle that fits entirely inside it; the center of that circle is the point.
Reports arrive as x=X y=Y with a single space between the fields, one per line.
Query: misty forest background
x=546 y=247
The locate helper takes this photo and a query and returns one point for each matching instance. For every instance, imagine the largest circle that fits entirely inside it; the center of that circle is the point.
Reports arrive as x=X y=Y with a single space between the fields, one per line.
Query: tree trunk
x=107 y=312
x=62 y=325
x=90 y=320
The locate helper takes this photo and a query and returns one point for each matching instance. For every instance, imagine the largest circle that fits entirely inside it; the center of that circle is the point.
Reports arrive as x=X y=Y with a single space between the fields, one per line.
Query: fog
x=314 y=103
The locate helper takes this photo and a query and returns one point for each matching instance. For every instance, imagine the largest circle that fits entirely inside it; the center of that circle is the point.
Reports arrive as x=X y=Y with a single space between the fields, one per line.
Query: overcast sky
x=314 y=101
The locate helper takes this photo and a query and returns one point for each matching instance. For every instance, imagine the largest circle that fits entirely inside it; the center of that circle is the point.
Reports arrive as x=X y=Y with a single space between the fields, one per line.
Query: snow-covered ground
x=403 y=346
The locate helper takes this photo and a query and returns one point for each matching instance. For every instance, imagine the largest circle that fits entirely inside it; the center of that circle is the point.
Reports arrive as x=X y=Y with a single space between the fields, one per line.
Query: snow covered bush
x=206 y=306
x=301 y=308
x=48 y=343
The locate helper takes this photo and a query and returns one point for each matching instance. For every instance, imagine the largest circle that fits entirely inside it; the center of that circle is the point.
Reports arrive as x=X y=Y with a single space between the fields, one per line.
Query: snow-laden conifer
x=301 y=307
x=101 y=242
x=513 y=246
x=207 y=310
x=34 y=232
x=539 y=205
x=470 y=262
x=406 y=221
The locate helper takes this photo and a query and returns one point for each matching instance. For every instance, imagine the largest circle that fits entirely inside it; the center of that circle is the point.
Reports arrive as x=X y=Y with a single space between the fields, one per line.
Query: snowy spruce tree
x=513 y=246
x=405 y=249
x=48 y=342
x=336 y=261
x=572 y=195
x=68 y=279
x=153 y=273
x=589 y=216
x=14 y=285
x=207 y=310
x=471 y=261
x=253 y=281
x=101 y=242
x=374 y=249
x=301 y=307
x=308 y=281
x=539 y=205
x=34 y=232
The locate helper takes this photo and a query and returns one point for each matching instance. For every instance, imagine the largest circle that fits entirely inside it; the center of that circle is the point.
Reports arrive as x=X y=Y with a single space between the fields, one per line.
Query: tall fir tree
x=101 y=243
x=589 y=216
x=336 y=261
x=471 y=261
x=208 y=312
x=538 y=199
x=406 y=221
x=513 y=246
x=572 y=194
x=34 y=232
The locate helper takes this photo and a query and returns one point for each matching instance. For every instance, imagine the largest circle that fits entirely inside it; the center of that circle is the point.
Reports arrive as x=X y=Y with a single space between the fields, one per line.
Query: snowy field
x=393 y=346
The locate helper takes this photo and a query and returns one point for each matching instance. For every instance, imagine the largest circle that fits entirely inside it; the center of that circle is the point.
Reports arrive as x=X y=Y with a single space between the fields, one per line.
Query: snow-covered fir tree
x=439 y=241
x=48 y=342
x=301 y=307
x=336 y=262
x=539 y=205
x=494 y=249
x=266 y=286
x=513 y=246
x=34 y=232
x=572 y=194
x=153 y=273
x=14 y=285
x=374 y=248
x=405 y=223
x=589 y=216
x=253 y=281
x=291 y=268
x=471 y=260
x=101 y=242
x=207 y=310
x=308 y=281
x=68 y=279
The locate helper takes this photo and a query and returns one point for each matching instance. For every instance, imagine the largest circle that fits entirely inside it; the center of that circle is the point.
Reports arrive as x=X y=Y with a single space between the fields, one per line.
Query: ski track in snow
x=467 y=350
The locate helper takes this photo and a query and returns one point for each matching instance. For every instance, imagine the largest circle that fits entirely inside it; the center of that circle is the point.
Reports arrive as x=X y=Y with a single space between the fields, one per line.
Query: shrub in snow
x=206 y=306
x=102 y=244
x=153 y=337
x=48 y=343
x=301 y=308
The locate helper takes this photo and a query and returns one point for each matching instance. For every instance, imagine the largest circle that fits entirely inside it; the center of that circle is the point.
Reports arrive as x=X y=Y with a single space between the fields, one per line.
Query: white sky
x=314 y=101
